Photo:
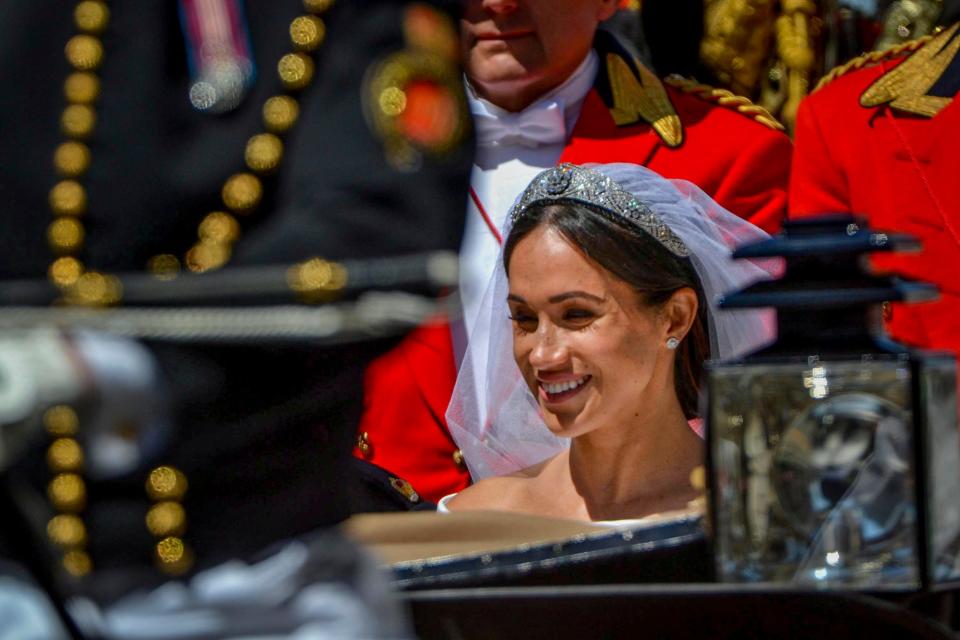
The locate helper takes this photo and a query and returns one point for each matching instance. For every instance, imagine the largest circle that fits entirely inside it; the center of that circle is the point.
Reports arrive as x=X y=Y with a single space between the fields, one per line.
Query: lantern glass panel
x=814 y=472
x=938 y=393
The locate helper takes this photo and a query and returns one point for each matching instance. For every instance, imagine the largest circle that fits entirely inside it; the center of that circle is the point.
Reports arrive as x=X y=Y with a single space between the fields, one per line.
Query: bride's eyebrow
x=560 y=297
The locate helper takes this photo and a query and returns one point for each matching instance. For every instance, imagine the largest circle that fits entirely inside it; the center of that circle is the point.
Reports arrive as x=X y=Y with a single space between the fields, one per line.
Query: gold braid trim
x=869 y=58
x=724 y=98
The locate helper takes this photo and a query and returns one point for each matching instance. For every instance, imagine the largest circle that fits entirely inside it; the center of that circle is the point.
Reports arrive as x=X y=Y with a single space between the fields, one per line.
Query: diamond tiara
x=572 y=183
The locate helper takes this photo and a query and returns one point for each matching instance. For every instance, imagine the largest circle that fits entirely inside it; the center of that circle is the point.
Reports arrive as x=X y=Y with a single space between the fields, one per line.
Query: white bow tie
x=539 y=124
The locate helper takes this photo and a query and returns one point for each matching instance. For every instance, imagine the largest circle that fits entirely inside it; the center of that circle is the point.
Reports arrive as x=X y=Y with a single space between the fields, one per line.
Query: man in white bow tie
x=546 y=86
x=530 y=66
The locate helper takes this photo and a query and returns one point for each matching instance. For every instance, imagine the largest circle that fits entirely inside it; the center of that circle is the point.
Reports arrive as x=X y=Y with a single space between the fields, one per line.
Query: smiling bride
x=578 y=395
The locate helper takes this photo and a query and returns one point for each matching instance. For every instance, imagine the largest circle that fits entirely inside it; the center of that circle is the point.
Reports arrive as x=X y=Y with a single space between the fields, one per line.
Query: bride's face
x=590 y=352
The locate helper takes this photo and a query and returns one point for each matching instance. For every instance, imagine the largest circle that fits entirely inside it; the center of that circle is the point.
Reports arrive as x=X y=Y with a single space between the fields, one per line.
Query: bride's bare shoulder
x=489 y=493
x=497 y=493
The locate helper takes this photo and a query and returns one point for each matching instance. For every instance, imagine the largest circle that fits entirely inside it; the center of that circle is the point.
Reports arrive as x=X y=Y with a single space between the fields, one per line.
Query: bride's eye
x=524 y=321
x=578 y=315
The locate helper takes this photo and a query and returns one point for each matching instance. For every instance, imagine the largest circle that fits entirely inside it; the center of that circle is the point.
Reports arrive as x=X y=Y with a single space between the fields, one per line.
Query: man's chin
x=509 y=73
x=502 y=65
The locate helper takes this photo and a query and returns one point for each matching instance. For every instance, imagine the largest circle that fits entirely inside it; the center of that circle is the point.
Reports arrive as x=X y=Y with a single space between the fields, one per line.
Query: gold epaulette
x=725 y=98
x=871 y=57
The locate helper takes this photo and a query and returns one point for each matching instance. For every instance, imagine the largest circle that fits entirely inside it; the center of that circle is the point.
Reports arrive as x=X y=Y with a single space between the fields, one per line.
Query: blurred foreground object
x=349 y=141
x=834 y=454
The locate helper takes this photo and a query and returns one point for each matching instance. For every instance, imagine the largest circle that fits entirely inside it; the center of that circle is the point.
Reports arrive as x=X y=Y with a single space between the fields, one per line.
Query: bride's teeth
x=560 y=387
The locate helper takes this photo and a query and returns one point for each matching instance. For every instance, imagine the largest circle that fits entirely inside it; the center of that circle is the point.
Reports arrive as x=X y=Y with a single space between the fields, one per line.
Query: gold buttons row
x=167 y=519
x=67 y=491
x=242 y=192
x=71 y=161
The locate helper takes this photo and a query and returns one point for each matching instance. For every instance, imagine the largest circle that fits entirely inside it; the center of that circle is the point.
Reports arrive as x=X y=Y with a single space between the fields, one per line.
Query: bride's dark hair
x=639 y=260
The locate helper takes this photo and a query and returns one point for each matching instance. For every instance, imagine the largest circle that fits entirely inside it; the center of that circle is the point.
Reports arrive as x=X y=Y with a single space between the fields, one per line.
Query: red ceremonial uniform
x=734 y=153
x=895 y=163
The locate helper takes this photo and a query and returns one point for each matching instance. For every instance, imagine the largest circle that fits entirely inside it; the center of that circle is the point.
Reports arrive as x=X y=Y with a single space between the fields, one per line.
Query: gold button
x=317 y=6
x=68 y=198
x=166 y=483
x=393 y=101
x=77 y=563
x=166 y=519
x=263 y=152
x=317 y=278
x=363 y=444
x=459 y=460
x=307 y=33
x=207 y=256
x=67 y=531
x=91 y=16
x=164 y=266
x=219 y=228
x=65 y=235
x=84 y=53
x=296 y=70
x=173 y=556
x=67 y=492
x=65 y=454
x=94 y=289
x=698 y=478
x=78 y=121
x=280 y=113
x=81 y=87
x=60 y=420
x=71 y=159
x=242 y=192
x=65 y=271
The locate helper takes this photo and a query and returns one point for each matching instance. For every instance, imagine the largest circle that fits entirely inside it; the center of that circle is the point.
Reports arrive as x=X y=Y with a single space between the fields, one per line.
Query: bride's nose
x=550 y=349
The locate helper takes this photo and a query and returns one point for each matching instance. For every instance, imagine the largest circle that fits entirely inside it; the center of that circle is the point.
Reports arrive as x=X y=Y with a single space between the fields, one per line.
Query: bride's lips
x=555 y=391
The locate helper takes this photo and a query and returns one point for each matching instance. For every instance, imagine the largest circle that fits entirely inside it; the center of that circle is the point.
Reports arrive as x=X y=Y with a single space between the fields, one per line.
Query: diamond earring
x=672 y=343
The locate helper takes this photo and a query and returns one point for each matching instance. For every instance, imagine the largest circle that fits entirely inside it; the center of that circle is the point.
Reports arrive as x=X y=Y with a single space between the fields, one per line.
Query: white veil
x=494 y=418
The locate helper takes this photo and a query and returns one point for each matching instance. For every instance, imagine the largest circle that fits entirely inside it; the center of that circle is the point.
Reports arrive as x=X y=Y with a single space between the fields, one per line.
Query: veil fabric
x=494 y=418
